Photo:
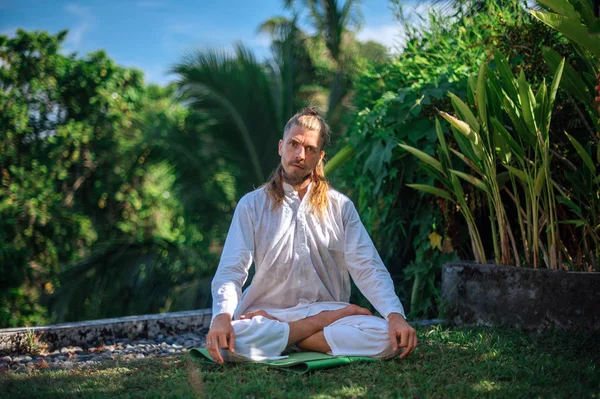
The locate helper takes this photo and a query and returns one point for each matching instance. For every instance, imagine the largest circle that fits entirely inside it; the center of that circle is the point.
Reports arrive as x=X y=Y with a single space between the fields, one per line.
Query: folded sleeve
x=366 y=267
x=235 y=262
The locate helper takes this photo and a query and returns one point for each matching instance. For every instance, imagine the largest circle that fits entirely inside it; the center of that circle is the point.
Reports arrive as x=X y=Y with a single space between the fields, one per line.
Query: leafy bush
x=90 y=207
x=397 y=103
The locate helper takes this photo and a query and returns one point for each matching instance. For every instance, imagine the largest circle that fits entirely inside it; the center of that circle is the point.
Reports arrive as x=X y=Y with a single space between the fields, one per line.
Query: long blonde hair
x=309 y=119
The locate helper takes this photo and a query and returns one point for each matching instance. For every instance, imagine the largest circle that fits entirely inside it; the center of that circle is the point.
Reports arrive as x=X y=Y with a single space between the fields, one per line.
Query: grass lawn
x=447 y=363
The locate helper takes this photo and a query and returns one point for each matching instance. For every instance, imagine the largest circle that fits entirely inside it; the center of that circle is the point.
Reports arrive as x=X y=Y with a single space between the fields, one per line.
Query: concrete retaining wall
x=94 y=332
x=520 y=297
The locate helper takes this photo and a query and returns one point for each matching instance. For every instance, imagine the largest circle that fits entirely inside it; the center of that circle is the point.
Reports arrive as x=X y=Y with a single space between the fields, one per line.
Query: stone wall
x=521 y=297
x=96 y=332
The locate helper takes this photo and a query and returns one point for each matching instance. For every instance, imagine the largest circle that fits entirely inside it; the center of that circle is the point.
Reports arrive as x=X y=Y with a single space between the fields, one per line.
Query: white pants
x=261 y=338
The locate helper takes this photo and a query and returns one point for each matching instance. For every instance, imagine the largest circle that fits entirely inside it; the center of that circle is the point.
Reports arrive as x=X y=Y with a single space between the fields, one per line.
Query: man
x=305 y=239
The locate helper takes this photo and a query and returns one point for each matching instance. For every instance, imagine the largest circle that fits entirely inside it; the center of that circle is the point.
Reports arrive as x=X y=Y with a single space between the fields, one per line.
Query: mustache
x=298 y=164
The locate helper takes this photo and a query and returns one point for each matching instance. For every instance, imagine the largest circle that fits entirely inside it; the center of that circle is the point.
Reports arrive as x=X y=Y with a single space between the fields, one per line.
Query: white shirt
x=300 y=260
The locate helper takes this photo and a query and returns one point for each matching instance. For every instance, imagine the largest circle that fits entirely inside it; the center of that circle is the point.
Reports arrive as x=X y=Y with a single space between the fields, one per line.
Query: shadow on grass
x=139 y=378
x=459 y=363
x=448 y=363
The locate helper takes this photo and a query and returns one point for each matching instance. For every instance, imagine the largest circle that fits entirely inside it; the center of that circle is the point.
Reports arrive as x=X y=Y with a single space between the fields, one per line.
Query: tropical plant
x=485 y=142
x=249 y=101
x=334 y=21
x=578 y=21
x=92 y=208
x=397 y=103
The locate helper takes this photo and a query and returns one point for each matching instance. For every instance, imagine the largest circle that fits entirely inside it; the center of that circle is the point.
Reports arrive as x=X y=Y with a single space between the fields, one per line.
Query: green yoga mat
x=298 y=362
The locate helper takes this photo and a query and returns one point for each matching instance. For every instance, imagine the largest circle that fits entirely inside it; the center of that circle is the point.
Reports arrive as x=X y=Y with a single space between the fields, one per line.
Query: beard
x=296 y=177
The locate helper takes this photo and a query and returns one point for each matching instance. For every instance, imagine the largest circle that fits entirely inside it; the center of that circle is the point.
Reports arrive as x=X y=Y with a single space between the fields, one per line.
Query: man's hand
x=402 y=334
x=221 y=335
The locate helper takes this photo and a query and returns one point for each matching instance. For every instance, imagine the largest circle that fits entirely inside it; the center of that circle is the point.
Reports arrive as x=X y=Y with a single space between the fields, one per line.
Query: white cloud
x=259 y=40
x=388 y=35
x=76 y=34
x=392 y=35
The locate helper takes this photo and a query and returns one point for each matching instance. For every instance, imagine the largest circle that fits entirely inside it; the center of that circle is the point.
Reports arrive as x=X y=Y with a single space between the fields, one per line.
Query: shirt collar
x=288 y=188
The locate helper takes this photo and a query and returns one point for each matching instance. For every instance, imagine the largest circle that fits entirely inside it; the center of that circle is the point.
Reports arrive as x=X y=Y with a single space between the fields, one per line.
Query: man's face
x=300 y=152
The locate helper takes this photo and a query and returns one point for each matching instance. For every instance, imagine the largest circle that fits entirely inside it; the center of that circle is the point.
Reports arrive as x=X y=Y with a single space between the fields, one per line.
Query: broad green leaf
x=540 y=180
x=503 y=151
x=441 y=138
x=571 y=28
x=471 y=179
x=514 y=146
x=585 y=10
x=482 y=99
x=553 y=90
x=437 y=175
x=506 y=75
x=467 y=161
x=526 y=105
x=521 y=175
x=574 y=207
x=464 y=110
x=572 y=81
x=587 y=159
x=494 y=94
x=426 y=158
x=576 y=222
x=541 y=98
x=465 y=145
x=502 y=178
x=521 y=129
x=562 y=7
x=457 y=188
x=431 y=190
x=472 y=83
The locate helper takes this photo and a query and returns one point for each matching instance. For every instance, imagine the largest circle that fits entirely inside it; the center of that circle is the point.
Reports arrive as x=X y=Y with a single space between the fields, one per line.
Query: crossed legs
x=348 y=331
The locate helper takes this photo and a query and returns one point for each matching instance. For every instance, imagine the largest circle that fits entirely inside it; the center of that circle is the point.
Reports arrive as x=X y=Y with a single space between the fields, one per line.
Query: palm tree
x=242 y=100
x=248 y=102
x=334 y=22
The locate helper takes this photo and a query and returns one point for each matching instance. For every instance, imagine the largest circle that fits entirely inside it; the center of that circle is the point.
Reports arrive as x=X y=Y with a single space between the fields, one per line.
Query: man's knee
x=260 y=338
x=360 y=336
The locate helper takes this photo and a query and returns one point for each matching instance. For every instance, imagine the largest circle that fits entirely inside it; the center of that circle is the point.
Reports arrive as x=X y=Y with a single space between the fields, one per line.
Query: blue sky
x=153 y=34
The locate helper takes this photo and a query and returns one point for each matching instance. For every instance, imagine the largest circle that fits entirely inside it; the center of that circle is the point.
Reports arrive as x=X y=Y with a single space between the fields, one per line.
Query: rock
x=6 y=359
x=171 y=350
x=189 y=344
x=68 y=365
x=177 y=346
x=139 y=356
